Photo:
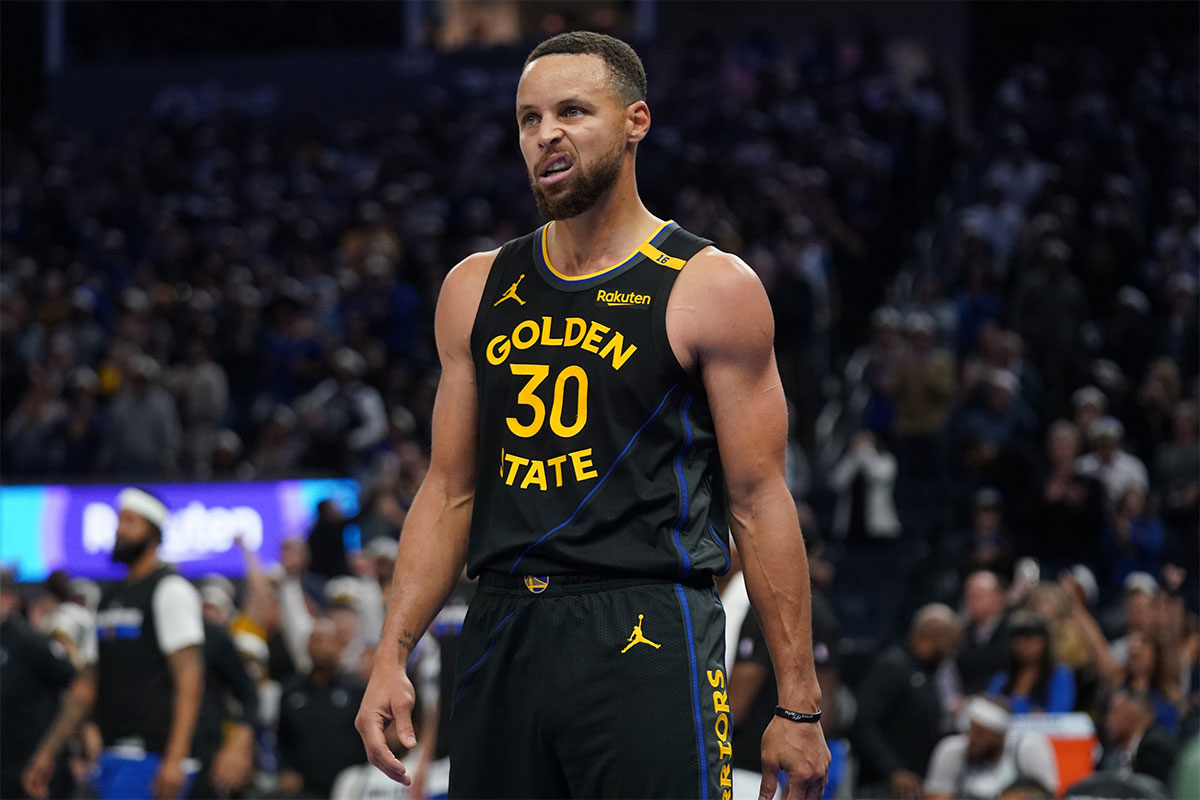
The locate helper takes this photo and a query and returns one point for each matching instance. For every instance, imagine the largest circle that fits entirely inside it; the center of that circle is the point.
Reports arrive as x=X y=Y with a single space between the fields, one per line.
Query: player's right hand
x=389 y=698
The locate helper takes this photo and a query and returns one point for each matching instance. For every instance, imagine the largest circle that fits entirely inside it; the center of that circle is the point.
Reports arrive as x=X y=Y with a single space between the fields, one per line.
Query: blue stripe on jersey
x=683 y=487
x=595 y=488
x=691 y=643
x=487 y=652
x=712 y=531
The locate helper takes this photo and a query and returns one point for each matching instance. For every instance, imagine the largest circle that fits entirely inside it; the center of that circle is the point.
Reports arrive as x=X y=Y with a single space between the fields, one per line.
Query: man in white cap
x=981 y=763
x=144 y=673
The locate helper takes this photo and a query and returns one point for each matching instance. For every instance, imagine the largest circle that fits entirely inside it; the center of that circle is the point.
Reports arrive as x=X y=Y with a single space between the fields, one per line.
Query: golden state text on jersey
x=596 y=449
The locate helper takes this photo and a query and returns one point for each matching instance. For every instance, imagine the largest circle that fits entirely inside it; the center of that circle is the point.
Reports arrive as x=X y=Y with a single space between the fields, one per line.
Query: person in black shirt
x=899 y=710
x=985 y=645
x=145 y=673
x=32 y=675
x=317 y=739
x=226 y=759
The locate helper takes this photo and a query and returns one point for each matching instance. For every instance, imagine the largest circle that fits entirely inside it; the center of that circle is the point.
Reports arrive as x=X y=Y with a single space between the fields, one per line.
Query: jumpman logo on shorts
x=637 y=638
x=511 y=294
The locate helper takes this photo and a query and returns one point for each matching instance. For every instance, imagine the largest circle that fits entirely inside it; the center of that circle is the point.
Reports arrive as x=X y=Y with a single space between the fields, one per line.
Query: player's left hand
x=168 y=783
x=799 y=750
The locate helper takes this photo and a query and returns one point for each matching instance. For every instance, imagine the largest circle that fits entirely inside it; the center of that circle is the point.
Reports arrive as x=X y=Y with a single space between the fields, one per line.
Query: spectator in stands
x=326 y=700
x=984 y=649
x=1049 y=307
x=923 y=395
x=1068 y=513
x=997 y=219
x=1117 y=470
x=1133 y=743
x=1034 y=680
x=345 y=417
x=864 y=480
x=327 y=541
x=1177 y=492
x=1090 y=404
x=988 y=541
x=143 y=438
x=981 y=763
x=900 y=712
x=202 y=389
x=33 y=675
x=225 y=731
x=1133 y=539
x=74 y=442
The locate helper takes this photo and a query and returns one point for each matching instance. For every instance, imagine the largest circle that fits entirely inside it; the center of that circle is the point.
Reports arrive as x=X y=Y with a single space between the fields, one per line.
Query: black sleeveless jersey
x=597 y=452
x=135 y=692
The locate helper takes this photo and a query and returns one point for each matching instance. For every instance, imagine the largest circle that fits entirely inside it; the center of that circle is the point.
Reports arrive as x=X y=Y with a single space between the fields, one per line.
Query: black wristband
x=796 y=716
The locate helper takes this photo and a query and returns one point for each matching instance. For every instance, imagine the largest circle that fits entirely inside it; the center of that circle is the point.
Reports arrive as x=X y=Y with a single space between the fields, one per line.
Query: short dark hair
x=628 y=73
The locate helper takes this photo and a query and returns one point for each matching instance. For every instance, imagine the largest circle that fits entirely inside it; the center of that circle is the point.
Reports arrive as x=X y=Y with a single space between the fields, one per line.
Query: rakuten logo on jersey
x=194 y=532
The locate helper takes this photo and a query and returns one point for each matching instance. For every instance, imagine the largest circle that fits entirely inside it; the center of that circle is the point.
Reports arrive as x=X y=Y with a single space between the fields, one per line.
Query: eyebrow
x=568 y=101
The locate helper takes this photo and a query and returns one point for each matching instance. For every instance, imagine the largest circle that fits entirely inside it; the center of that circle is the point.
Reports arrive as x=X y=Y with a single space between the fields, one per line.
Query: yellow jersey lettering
x=556 y=407
x=726 y=749
x=526 y=397
x=574 y=332
x=524 y=473
x=536 y=476
x=720 y=699
x=547 y=340
x=722 y=727
x=522 y=343
x=557 y=463
x=619 y=356
x=594 y=334
x=498 y=350
x=516 y=461
x=582 y=461
x=573 y=335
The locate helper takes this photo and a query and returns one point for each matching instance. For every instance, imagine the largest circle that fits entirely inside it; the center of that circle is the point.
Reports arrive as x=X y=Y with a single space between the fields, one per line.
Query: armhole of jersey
x=495 y=275
x=684 y=245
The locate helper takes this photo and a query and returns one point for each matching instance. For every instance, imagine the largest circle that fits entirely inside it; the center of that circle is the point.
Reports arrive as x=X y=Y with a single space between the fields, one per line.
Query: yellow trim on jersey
x=659 y=257
x=653 y=252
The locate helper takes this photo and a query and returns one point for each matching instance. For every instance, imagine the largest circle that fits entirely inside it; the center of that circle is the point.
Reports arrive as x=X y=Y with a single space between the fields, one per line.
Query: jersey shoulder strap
x=515 y=251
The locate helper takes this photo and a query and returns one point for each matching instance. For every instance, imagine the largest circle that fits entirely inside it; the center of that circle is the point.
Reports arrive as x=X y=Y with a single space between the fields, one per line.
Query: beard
x=590 y=186
x=128 y=552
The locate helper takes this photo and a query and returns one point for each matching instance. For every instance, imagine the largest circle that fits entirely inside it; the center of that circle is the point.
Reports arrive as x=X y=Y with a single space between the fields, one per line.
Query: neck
x=144 y=565
x=606 y=233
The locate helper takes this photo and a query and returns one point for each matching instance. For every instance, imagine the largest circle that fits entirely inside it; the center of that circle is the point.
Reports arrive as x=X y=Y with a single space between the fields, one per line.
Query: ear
x=637 y=121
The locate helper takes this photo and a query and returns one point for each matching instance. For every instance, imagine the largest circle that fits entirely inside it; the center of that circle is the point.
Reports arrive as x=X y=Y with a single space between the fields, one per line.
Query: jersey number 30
x=527 y=397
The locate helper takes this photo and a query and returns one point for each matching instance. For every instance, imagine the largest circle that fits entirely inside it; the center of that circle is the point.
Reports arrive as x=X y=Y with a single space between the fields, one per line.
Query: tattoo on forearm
x=408 y=640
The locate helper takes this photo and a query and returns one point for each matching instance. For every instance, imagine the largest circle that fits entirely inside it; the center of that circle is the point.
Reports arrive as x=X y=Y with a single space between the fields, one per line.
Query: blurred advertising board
x=43 y=528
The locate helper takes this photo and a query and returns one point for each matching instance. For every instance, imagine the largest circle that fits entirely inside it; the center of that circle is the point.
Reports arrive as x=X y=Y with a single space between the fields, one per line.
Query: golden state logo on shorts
x=537 y=583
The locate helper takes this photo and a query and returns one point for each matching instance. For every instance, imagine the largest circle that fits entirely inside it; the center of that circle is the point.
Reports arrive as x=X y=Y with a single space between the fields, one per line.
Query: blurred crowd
x=1008 y=422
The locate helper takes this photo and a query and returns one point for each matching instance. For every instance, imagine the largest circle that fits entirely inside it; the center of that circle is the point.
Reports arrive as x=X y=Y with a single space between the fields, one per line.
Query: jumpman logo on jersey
x=638 y=638
x=511 y=294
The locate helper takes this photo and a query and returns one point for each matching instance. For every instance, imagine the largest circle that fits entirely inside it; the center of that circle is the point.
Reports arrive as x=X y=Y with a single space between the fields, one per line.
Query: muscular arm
x=736 y=361
x=433 y=546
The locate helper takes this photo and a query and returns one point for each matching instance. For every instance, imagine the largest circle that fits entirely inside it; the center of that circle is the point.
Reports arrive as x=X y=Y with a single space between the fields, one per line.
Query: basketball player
x=145 y=673
x=609 y=407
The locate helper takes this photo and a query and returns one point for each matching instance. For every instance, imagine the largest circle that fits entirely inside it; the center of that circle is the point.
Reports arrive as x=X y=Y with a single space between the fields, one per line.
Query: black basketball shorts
x=568 y=687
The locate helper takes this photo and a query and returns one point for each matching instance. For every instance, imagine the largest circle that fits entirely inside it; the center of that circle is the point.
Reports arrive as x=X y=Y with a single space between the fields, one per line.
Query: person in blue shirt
x=1034 y=682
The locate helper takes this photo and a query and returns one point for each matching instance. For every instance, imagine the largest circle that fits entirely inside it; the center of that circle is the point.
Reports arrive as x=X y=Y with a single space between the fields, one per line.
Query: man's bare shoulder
x=461 y=292
x=719 y=300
